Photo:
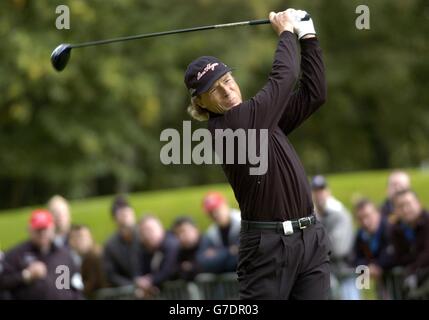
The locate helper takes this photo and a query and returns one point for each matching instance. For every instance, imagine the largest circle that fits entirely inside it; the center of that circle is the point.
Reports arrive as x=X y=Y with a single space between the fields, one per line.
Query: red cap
x=41 y=219
x=212 y=201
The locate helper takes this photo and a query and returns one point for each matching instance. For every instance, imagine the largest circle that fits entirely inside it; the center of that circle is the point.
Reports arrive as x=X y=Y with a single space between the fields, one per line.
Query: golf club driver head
x=60 y=56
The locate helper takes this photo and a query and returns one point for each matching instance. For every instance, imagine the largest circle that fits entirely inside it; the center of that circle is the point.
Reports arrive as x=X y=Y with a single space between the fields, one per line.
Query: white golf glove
x=303 y=27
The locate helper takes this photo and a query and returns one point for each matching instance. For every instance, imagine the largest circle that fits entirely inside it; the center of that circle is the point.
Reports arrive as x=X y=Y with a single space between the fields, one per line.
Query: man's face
x=408 y=207
x=223 y=95
x=61 y=213
x=397 y=182
x=220 y=215
x=125 y=217
x=151 y=233
x=319 y=197
x=369 y=218
x=42 y=238
x=187 y=234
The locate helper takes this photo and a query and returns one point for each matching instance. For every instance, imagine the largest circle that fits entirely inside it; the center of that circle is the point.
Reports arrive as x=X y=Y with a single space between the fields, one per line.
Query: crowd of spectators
x=61 y=260
x=391 y=240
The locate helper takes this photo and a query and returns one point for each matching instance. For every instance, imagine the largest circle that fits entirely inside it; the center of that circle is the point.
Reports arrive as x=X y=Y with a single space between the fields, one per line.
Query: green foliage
x=376 y=112
x=94 y=128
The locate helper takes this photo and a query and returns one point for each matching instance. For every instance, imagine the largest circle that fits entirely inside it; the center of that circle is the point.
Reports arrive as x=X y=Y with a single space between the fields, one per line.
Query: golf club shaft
x=164 y=33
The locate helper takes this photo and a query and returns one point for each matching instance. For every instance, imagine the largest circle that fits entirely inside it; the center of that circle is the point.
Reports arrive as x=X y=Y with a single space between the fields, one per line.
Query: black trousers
x=275 y=266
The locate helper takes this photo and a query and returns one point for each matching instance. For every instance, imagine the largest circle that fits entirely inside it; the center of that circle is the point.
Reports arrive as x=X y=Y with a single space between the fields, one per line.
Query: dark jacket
x=376 y=248
x=222 y=260
x=387 y=208
x=412 y=244
x=121 y=260
x=188 y=256
x=283 y=192
x=18 y=258
x=4 y=294
x=161 y=264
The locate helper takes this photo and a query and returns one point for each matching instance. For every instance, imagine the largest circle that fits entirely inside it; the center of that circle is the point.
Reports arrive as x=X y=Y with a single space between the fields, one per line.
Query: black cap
x=203 y=72
x=318 y=182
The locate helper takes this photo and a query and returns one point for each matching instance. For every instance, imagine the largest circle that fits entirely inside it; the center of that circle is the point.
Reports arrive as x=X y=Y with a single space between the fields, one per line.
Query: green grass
x=95 y=212
x=167 y=204
x=372 y=184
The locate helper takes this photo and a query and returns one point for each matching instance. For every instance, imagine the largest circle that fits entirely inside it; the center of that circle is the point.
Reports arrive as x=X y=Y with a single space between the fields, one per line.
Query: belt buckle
x=302 y=220
x=287 y=227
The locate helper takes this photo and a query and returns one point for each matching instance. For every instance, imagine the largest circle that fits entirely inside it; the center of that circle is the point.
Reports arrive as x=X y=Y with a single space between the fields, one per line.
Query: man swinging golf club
x=284 y=251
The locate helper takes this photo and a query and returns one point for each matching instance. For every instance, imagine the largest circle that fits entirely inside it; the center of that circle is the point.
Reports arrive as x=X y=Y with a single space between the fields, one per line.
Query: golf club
x=61 y=54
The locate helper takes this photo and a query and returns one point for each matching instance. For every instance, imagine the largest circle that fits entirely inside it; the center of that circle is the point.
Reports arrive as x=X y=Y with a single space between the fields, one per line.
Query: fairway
x=168 y=204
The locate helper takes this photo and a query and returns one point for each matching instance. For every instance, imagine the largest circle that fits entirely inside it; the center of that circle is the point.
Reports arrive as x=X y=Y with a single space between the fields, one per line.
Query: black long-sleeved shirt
x=283 y=192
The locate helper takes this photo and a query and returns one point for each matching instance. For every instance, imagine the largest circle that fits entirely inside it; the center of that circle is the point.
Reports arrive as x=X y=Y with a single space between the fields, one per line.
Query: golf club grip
x=266 y=21
x=260 y=21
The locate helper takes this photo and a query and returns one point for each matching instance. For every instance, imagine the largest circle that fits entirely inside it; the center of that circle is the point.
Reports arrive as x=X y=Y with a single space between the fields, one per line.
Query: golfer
x=284 y=251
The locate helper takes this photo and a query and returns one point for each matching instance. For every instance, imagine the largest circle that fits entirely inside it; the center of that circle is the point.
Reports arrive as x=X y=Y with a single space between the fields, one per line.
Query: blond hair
x=196 y=111
x=57 y=200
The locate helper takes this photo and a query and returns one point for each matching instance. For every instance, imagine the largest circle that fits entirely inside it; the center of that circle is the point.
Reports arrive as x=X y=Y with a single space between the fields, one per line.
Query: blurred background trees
x=94 y=128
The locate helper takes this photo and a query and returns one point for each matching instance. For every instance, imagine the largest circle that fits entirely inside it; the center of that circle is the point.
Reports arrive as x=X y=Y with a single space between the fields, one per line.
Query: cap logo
x=206 y=69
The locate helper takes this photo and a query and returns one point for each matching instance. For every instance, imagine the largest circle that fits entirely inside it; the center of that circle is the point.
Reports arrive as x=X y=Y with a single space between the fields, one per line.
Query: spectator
x=339 y=225
x=411 y=237
x=88 y=256
x=30 y=270
x=121 y=257
x=373 y=247
x=60 y=209
x=4 y=295
x=397 y=181
x=189 y=241
x=160 y=250
x=219 y=247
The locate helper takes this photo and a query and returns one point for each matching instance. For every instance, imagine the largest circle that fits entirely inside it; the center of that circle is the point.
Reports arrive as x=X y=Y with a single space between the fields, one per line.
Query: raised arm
x=265 y=109
x=311 y=92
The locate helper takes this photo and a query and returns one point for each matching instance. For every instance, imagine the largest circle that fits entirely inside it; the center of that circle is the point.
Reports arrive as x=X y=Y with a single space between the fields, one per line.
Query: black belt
x=285 y=227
